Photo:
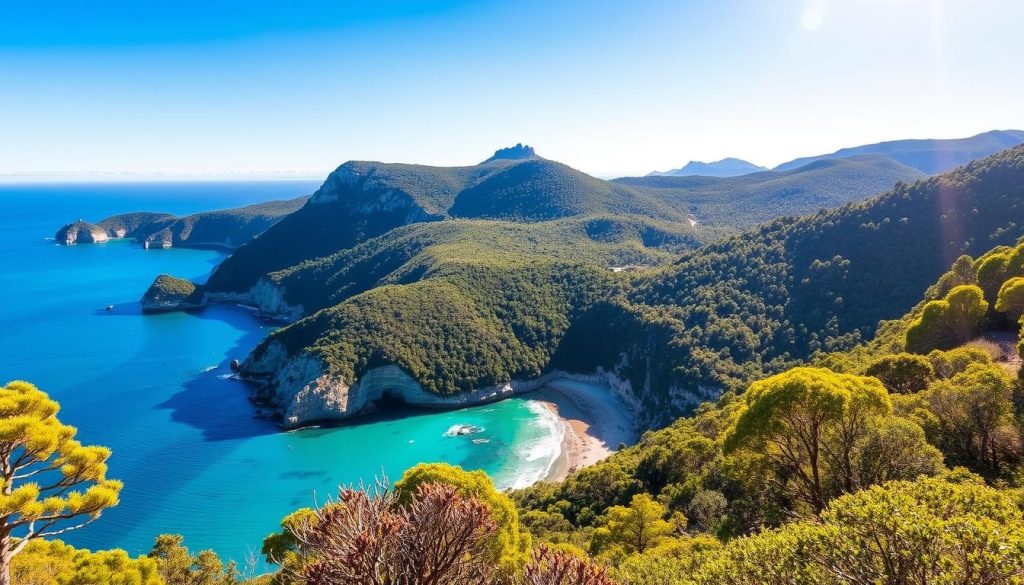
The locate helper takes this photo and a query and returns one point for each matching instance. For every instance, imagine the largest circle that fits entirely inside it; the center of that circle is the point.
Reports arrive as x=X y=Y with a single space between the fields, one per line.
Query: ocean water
x=157 y=390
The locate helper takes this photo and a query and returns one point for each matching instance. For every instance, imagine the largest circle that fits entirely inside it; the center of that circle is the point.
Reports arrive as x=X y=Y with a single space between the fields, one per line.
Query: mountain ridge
x=930 y=156
x=727 y=167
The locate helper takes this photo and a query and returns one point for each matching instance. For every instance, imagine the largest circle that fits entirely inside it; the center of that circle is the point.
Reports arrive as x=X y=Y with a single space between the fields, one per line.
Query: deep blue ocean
x=157 y=391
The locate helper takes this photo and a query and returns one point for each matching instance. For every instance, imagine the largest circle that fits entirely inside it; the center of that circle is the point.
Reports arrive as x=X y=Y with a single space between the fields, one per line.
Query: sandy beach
x=596 y=423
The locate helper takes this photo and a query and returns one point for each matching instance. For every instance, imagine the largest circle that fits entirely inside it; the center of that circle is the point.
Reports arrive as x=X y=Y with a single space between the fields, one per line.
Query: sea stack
x=170 y=293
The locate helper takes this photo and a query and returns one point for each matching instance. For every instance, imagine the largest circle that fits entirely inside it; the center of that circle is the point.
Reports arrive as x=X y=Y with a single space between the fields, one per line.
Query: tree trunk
x=5 y=569
x=6 y=556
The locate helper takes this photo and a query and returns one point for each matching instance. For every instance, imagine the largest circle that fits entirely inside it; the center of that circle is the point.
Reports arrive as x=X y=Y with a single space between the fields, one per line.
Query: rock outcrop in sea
x=170 y=293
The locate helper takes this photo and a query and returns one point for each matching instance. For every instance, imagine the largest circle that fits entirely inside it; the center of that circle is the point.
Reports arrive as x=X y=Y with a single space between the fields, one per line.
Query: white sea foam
x=209 y=368
x=539 y=455
x=457 y=430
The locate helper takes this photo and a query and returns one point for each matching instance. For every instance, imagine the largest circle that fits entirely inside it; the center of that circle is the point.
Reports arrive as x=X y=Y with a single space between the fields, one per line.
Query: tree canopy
x=49 y=482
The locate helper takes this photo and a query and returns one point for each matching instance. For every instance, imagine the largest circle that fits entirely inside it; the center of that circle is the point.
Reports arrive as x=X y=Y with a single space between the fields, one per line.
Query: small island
x=170 y=293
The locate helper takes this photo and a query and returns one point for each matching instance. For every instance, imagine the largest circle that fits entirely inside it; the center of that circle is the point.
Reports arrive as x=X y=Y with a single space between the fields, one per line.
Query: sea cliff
x=304 y=391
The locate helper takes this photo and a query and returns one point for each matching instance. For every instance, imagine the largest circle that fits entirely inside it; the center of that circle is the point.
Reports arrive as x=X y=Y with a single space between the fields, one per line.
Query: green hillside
x=745 y=201
x=538 y=190
x=904 y=417
x=425 y=250
x=760 y=302
x=361 y=200
x=714 y=320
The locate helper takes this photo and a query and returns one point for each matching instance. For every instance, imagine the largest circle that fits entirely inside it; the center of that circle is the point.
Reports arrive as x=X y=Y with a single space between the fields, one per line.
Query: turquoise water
x=156 y=389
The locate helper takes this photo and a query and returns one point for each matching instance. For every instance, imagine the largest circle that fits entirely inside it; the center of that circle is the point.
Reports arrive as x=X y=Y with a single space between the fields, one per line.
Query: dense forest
x=712 y=321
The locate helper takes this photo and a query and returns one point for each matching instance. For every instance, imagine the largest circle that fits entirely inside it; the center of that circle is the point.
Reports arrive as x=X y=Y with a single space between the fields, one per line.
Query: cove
x=157 y=389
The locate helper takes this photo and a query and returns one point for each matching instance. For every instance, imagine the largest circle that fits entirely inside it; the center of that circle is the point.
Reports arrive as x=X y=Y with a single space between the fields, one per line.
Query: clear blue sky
x=611 y=87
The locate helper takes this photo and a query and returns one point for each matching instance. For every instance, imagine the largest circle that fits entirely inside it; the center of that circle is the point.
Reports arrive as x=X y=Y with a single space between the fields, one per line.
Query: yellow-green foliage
x=511 y=543
x=903 y=372
x=178 y=566
x=973 y=417
x=670 y=563
x=939 y=530
x=634 y=528
x=49 y=480
x=946 y=323
x=1011 y=298
x=950 y=363
x=56 y=563
x=997 y=266
x=283 y=548
x=833 y=433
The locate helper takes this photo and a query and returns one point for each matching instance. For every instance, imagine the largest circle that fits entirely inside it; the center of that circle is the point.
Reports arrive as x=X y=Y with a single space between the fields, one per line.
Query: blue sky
x=210 y=88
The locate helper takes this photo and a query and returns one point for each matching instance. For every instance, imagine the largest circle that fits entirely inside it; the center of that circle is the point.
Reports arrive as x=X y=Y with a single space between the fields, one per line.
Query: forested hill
x=469 y=316
x=755 y=304
x=928 y=156
x=362 y=200
x=745 y=201
x=882 y=444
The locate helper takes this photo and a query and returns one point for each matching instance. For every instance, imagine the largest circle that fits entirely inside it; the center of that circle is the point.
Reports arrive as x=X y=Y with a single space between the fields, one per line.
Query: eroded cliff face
x=269 y=298
x=363 y=194
x=304 y=391
x=81 y=232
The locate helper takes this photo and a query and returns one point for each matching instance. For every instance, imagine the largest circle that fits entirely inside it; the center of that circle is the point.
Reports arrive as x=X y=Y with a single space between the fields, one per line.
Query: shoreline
x=594 y=424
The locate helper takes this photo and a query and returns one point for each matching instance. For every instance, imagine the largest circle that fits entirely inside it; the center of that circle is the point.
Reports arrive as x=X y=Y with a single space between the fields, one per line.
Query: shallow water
x=156 y=389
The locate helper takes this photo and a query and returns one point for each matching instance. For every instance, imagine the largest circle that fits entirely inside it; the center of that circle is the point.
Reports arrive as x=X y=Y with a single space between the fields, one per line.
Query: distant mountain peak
x=518 y=152
x=727 y=167
x=930 y=156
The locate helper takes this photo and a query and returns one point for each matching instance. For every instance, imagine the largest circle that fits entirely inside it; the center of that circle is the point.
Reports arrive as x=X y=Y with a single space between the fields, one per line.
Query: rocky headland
x=223 y=229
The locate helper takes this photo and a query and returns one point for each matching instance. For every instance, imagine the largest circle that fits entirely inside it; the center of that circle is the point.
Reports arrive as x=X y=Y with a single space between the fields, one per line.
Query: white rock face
x=271 y=360
x=305 y=393
x=81 y=232
x=269 y=298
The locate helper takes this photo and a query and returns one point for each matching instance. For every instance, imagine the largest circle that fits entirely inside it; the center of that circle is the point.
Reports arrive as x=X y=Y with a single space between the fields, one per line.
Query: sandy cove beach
x=596 y=422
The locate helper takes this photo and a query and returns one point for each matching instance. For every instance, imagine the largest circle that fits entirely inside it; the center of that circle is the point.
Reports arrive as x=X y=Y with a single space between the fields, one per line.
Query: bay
x=157 y=389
